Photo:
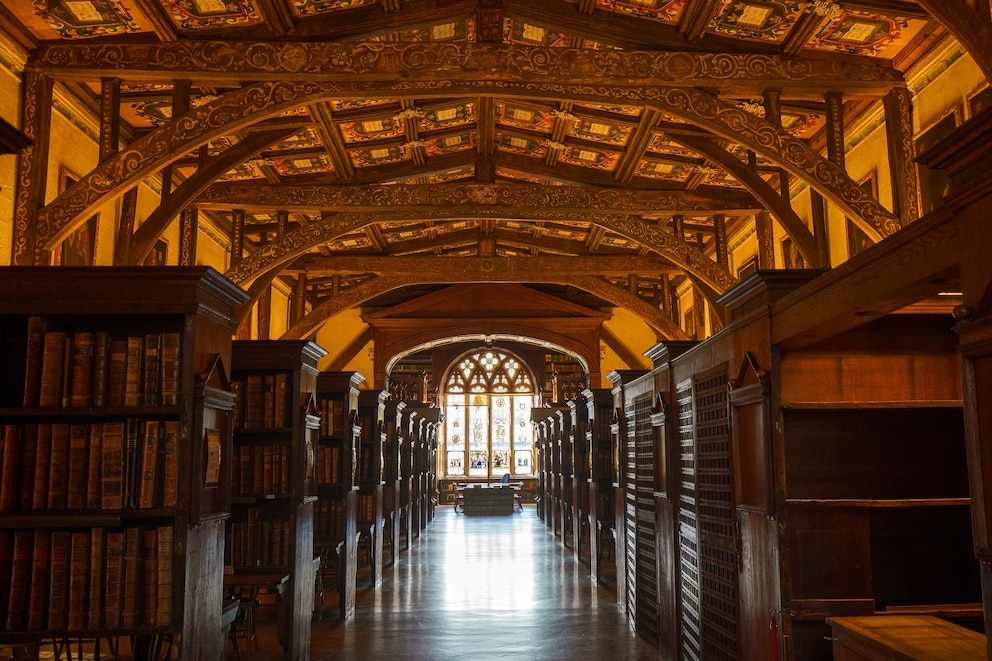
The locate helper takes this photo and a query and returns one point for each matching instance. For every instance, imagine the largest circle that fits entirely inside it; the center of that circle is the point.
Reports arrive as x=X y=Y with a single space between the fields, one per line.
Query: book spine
x=52 y=366
x=170 y=463
x=132 y=375
x=81 y=389
x=6 y=569
x=95 y=609
x=268 y=401
x=58 y=587
x=149 y=576
x=101 y=368
x=117 y=375
x=33 y=360
x=42 y=461
x=151 y=377
x=114 y=579
x=112 y=466
x=149 y=464
x=9 y=487
x=132 y=462
x=66 y=388
x=78 y=466
x=254 y=398
x=20 y=577
x=58 y=467
x=171 y=368
x=132 y=556
x=280 y=400
x=163 y=615
x=38 y=594
x=93 y=462
x=79 y=576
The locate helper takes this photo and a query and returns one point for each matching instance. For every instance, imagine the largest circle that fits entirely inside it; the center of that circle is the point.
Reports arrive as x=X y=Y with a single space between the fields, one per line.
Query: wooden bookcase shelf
x=116 y=449
x=276 y=446
x=335 y=532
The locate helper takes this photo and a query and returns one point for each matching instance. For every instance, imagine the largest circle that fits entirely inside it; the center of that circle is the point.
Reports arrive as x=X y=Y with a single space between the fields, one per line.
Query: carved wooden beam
x=519 y=269
x=369 y=289
x=273 y=256
x=455 y=67
x=246 y=106
x=157 y=222
x=512 y=198
x=779 y=206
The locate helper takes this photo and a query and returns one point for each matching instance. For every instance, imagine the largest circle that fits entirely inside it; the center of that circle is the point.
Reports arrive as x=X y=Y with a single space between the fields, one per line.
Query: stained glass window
x=488 y=397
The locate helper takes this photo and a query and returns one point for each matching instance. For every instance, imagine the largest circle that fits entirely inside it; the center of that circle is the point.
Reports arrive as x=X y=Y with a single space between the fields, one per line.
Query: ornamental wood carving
x=486 y=268
x=511 y=197
x=327 y=62
x=241 y=108
x=369 y=289
x=278 y=253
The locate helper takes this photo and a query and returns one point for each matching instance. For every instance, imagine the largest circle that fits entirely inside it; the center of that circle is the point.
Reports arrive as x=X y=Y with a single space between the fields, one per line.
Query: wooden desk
x=488 y=499
x=903 y=638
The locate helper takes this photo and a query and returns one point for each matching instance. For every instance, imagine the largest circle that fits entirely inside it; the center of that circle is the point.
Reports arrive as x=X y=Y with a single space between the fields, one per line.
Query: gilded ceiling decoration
x=709 y=101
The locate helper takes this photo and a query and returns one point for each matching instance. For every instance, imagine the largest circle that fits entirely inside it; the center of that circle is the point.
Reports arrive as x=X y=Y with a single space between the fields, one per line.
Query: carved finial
x=563 y=115
x=556 y=146
x=962 y=312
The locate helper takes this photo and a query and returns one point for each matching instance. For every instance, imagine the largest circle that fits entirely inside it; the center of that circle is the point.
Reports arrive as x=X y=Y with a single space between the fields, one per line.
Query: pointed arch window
x=488 y=397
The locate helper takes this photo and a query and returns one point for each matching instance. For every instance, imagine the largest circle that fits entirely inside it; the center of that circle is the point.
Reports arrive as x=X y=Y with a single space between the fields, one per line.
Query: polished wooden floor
x=493 y=587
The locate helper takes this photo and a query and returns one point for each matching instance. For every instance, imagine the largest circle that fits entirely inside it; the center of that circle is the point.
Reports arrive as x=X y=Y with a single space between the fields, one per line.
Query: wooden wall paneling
x=619 y=430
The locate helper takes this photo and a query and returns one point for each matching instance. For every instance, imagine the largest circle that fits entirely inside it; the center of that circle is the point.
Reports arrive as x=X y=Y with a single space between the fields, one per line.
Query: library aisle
x=484 y=587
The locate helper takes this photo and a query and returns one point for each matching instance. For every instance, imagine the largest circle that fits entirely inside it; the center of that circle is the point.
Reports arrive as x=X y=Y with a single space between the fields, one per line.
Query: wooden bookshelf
x=334 y=522
x=371 y=412
x=116 y=466
x=276 y=436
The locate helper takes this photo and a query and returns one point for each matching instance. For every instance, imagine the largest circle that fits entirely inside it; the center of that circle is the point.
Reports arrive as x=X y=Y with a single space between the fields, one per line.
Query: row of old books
x=102 y=578
x=329 y=519
x=261 y=470
x=332 y=416
x=365 y=508
x=328 y=465
x=258 y=542
x=130 y=464
x=98 y=369
x=262 y=401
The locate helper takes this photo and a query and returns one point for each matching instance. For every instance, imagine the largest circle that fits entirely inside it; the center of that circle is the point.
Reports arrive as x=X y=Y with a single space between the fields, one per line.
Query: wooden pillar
x=264 y=321
x=835 y=127
x=188 y=230
x=818 y=211
x=298 y=302
x=125 y=228
x=720 y=240
x=766 y=240
x=678 y=227
x=237 y=237
x=180 y=105
x=902 y=154
x=110 y=136
x=36 y=122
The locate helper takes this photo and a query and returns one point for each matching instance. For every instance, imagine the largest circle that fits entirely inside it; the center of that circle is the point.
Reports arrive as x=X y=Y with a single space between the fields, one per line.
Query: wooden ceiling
x=422 y=174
